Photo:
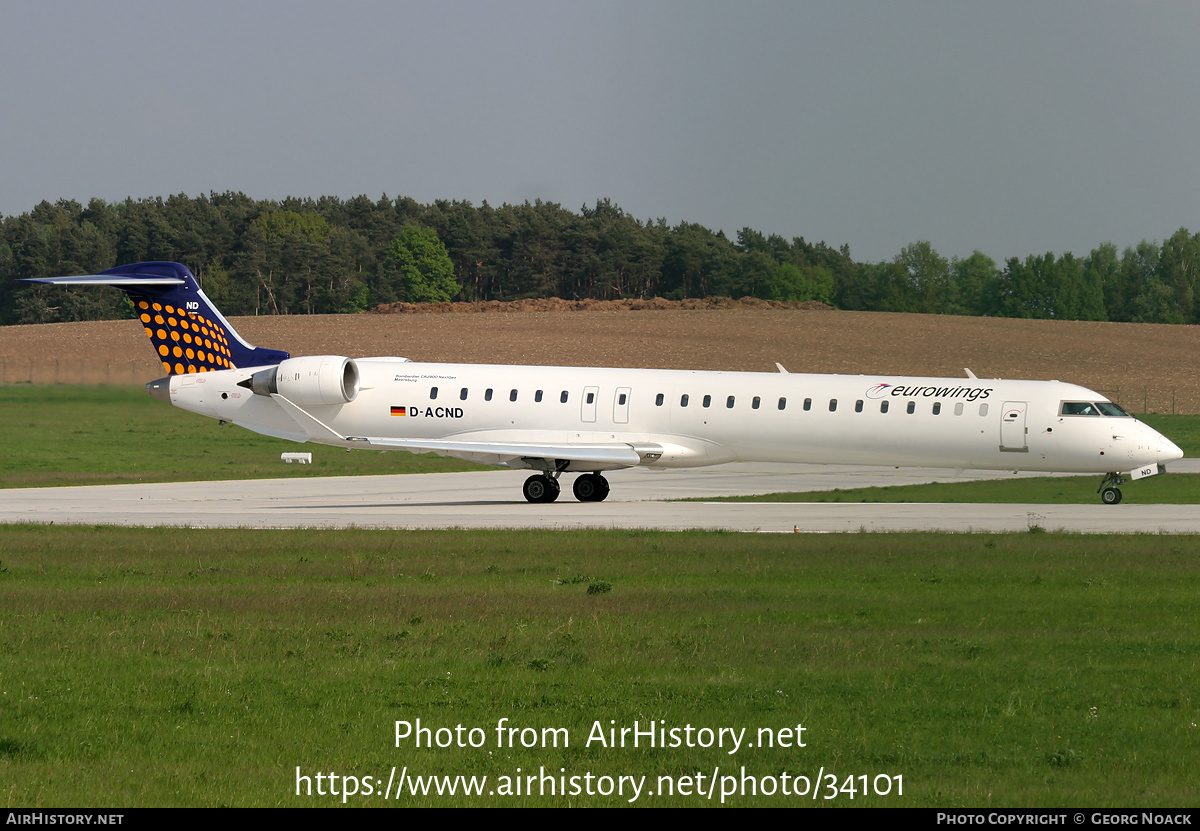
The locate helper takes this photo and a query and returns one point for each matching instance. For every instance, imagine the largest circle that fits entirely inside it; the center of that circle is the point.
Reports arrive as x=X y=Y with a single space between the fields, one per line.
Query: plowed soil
x=1146 y=367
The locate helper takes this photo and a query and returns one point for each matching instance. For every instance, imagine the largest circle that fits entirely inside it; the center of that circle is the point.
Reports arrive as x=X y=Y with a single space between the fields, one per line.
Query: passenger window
x=707 y=401
x=512 y=396
x=487 y=396
x=983 y=409
x=937 y=407
x=432 y=393
x=833 y=405
x=591 y=397
x=807 y=404
x=858 y=406
x=462 y=395
x=958 y=408
x=563 y=397
x=537 y=397
x=782 y=403
x=912 y=407
x=658 y=399
x=683 y=400
x=883 y=406
x=755 y=402
x=729 y=402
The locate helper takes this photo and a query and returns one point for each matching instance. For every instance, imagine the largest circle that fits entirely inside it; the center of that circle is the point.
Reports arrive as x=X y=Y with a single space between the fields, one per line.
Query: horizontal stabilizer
x=187 y=331
x=108 y=280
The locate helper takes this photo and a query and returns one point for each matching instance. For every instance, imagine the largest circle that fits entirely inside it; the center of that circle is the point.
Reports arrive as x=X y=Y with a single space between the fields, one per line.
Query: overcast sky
x=1014 y=128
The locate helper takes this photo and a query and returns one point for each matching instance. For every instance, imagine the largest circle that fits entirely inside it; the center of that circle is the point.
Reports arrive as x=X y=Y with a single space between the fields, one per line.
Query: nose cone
x=161 y=389
x=1168 y=451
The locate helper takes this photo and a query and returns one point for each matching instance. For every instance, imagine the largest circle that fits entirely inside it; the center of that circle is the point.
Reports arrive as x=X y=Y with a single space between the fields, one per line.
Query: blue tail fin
x=188 y=333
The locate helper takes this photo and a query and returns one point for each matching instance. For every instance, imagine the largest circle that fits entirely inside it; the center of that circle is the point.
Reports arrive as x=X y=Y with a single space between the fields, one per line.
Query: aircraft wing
x=605 y=454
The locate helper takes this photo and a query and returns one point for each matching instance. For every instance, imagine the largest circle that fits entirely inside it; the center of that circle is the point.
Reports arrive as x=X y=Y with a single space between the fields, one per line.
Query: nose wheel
x=1110 y=494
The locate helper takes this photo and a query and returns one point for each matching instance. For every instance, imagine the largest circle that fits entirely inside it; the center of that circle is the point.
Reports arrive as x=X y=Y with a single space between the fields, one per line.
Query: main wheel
x=590 y=487
x=540 y=488
x=603 y=491
x=1110 y=496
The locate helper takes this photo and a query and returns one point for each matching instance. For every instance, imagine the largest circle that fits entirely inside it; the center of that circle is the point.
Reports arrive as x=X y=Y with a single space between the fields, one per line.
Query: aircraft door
x=1012 y=427
x=621 y=406
x=590 y=398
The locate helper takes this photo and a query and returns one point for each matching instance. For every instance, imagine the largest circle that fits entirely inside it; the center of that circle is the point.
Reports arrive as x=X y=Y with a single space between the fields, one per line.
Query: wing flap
x=614 y=454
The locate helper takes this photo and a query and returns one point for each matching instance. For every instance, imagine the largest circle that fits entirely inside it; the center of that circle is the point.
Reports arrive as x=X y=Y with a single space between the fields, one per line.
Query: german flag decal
x=399 y=411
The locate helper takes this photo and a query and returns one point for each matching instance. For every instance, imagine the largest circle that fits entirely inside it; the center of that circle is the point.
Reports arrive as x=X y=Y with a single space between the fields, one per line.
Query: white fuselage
x=696 y=418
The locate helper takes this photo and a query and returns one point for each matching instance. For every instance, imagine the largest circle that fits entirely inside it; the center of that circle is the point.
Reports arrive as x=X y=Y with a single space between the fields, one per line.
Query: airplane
x=588 y=420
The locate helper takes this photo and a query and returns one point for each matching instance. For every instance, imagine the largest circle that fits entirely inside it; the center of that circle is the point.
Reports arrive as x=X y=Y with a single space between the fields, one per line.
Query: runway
x=492 y=499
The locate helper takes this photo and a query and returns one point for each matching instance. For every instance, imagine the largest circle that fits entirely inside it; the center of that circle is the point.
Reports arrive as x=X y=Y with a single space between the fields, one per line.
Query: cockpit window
x=1087 y=408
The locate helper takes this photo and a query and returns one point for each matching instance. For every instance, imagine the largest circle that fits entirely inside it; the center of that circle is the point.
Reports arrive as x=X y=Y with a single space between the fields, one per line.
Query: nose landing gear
x=1110 y=494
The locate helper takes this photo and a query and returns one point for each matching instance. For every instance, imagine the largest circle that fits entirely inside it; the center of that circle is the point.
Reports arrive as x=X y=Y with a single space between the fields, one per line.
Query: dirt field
x=1145 y=367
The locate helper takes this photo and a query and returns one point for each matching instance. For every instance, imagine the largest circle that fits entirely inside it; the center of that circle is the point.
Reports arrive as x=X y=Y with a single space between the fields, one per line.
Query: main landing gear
x=588 y=487
x=1110 y=494
x=540 y=488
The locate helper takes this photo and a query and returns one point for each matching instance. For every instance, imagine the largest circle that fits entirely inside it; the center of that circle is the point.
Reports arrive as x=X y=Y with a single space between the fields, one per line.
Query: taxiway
x=640 y=499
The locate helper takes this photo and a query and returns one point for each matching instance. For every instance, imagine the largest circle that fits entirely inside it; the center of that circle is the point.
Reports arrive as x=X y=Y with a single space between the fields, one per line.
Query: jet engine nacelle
x=317 y=379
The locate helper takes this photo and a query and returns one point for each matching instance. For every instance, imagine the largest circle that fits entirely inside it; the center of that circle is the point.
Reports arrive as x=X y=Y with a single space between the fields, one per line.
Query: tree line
x=312 y=256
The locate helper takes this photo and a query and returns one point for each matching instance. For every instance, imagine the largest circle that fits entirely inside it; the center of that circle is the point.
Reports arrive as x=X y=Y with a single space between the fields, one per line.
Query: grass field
x=176 y=667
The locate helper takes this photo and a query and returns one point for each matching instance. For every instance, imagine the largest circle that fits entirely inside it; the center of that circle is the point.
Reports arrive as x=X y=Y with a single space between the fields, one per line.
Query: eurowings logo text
x=913 y=391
